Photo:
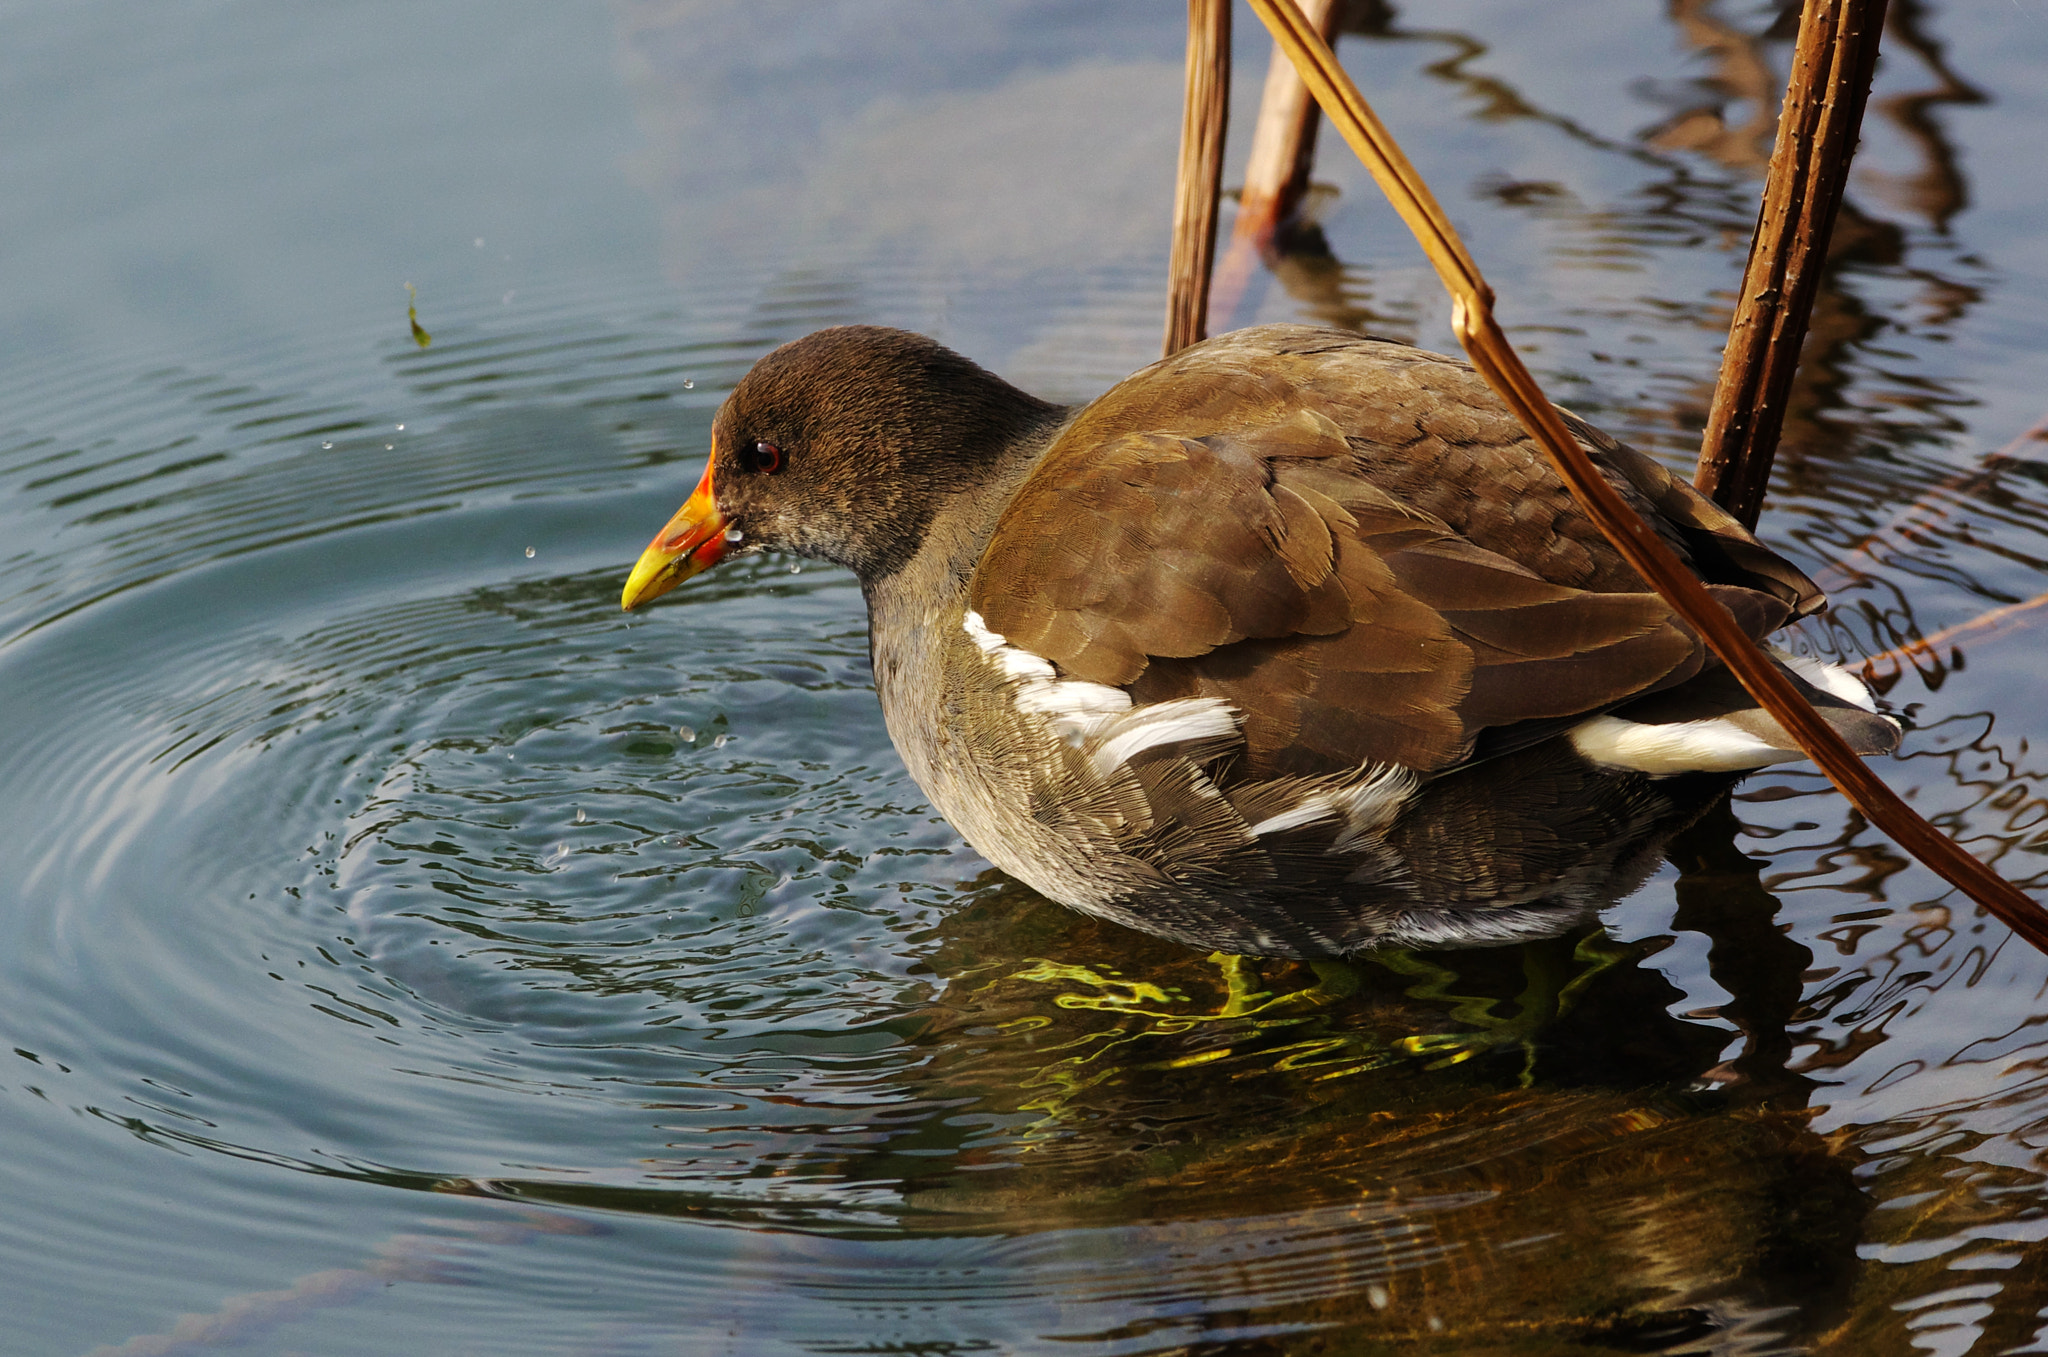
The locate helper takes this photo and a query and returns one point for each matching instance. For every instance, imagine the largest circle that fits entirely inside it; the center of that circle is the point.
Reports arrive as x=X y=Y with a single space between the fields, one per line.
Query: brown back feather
x=1356 y=545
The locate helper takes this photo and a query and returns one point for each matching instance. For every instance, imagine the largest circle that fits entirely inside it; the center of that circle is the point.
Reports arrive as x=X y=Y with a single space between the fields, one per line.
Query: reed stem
x=1832 y=63
x=1496 y=360
x=1198 y=187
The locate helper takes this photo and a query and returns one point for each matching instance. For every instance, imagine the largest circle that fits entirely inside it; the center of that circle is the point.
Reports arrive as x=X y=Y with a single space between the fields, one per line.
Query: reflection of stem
x=1290 y=244
x=1721 y=897
x=401 y=1258
x=1939 y=190
x=1742 y=71
x=1495 y=359
x=1891 y=661
x=1276 y=171
x=1923 y=514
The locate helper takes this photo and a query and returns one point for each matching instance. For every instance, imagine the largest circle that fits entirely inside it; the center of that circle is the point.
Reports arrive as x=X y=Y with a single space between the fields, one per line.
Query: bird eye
x=762 y=457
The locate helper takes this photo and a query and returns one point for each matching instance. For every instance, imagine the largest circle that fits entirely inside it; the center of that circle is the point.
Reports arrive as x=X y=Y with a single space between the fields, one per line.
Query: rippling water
x=404 y=950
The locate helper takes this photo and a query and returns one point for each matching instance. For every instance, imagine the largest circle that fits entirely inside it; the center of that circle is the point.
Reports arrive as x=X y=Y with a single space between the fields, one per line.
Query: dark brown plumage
x=1290 y=643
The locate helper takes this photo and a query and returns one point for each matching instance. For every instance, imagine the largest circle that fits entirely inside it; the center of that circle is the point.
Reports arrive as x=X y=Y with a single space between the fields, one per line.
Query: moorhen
x=1291 y=644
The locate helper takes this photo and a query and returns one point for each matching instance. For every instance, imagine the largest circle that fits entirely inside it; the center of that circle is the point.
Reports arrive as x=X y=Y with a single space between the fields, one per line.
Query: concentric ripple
x=388 y=850
x=359 y=837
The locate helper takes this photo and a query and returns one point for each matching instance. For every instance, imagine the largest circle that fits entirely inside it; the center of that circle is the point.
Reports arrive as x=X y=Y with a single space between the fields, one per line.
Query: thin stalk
x=1276 y=170
x=1832 y=62
x=1205 y=117
x=1496 y=360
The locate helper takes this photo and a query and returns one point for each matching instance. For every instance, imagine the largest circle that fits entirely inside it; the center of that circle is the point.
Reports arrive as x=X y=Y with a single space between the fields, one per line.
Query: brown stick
x=1496 y=360
x=1284 y=141
x=1832 y=62
x=1204 y=119
x=1277 y=169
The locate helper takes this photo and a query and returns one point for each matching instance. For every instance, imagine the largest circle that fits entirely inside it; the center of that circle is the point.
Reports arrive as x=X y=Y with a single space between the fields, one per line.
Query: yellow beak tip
x=689 y=544
x=652 y=576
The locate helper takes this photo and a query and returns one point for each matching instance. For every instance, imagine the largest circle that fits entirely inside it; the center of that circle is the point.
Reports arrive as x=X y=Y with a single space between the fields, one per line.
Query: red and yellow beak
x=688 y=544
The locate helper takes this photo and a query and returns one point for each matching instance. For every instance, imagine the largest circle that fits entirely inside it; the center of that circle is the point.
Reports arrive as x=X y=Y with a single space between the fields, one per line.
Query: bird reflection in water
x=1449 y=1147
x=1489 y=1147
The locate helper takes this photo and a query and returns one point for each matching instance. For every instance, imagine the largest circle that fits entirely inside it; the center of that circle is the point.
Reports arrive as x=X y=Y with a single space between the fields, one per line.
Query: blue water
x=401 y=949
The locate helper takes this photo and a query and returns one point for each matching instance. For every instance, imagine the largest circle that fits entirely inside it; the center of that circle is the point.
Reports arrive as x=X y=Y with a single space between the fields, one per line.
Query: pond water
x=402 y=950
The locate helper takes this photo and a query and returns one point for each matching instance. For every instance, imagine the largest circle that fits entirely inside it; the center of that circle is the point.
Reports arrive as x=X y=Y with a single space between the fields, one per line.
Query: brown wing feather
x=1355 y=545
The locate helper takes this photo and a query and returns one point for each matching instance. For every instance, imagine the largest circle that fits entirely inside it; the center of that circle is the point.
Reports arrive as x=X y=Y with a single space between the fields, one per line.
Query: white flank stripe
x=1024 y=666
x=1074 y=697
x=1311 y=809
x=1371 y=805
x=1076 y=709
x=1157 y=723
x=1368 y=806
x=1681 y=747
x=978 y=631
x=1084 y=713
x=1463 y=928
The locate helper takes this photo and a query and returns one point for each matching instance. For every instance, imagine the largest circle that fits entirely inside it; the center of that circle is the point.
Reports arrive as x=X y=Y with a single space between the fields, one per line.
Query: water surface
x=404 y=950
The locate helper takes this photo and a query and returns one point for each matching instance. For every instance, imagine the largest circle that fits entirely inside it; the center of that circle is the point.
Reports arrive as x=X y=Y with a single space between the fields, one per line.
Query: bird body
x=1291 y=643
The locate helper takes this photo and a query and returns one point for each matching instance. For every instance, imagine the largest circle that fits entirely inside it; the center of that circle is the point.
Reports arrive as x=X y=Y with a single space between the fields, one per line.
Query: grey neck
x=935 y=578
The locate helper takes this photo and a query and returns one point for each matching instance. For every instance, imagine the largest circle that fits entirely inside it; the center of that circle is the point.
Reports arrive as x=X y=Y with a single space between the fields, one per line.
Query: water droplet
x=733 y=534
x=796 y=570
x=719 y=743
x=580 y=816
x=689 y=385
x=529 y=553
x=687 y=732
x=327 y=445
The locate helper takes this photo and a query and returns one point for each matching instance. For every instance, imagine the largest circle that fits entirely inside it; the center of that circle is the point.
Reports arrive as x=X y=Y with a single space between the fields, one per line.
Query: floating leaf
x=412 y=316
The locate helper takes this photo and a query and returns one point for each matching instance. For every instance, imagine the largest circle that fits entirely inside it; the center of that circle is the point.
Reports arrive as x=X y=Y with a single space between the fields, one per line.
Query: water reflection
x=386 y=908
x=1854 y=424
x=1471 y=1146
